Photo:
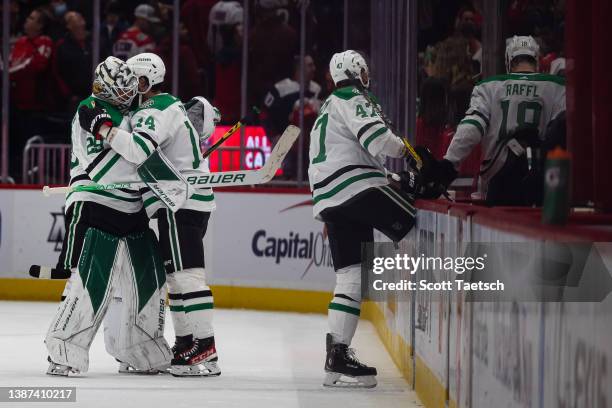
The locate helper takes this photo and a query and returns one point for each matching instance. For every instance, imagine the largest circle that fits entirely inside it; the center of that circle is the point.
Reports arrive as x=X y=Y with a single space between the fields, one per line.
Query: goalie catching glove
x=93 y=118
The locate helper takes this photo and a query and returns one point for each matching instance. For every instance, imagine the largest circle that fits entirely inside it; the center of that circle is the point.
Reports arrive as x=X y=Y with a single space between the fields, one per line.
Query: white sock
x=197 y=301
x=177 y=312
x=345 y=307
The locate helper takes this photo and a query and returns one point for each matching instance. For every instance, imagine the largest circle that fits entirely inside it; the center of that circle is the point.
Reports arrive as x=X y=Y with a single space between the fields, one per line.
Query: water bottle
x=555 y=209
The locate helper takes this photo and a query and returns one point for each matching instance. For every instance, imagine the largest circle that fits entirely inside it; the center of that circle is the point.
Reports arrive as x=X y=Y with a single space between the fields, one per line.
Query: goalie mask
x=519 y=46
x=350 y=61
x=150 y=66
x=115 y=83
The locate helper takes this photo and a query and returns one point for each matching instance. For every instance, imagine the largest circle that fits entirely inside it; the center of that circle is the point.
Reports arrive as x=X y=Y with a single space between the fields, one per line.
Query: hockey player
x=352 y=195
x=501 y=106
x=109 y=248
x=161 y=122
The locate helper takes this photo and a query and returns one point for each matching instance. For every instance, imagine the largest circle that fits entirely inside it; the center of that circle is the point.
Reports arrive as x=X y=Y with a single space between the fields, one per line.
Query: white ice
x=267 y=360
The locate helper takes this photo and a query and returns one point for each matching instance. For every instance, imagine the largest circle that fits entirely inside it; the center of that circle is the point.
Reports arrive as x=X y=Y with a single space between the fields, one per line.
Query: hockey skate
x=59 y=369
x=344 y=370
x=127 y=368
x=200 y=360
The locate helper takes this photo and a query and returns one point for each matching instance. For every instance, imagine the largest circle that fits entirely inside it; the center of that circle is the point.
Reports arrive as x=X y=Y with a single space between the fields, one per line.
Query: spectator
x=468 y=26
x=282 y=104
x=72 y=61
x=113 y=25
x=190 y=83
x=453 y=64
x=225 y=41
x=280 y=100
x=432 y=123
x=272 y=43
x=29 y=63
x=137 y=39
x=195 y=14
x=57 y=27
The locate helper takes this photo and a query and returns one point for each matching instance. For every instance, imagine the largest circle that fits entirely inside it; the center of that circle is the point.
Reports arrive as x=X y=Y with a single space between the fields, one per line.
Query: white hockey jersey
x=499 y=105
x=162 y=121
x=347 y=147
x=94 y=162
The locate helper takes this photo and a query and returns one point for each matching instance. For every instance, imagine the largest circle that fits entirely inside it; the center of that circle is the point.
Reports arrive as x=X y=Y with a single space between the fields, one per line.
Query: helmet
x=115 y=83
x=150 y=66
x=226 y=13
x=521 y=45
x=353 y=62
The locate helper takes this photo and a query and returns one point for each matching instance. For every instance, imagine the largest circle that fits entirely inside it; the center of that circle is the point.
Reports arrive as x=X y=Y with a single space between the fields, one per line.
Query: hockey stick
x=46 y=272
x=220 y=179
x=364 y=92
x=227 y=134
x=386 y=120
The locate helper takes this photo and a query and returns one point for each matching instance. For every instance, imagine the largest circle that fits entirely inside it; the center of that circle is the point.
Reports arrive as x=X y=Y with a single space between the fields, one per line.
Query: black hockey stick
x=415 y=156
x=230 y=132
x=46 y=272
x=386 y=120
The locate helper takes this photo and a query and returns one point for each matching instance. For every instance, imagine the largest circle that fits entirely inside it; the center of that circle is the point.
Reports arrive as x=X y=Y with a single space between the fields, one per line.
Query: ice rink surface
x=267 y=360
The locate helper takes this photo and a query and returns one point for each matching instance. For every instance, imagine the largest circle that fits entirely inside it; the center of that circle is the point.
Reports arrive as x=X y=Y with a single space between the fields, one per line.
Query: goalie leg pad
x=138 y=339
x=80 y=314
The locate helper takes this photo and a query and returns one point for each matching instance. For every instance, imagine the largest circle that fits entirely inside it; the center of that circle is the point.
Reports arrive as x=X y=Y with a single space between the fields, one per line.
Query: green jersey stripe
x=523 y=76
x=199 y=306
x=365 y=128
x=142 y=144
x=474 y=123
x=150 y=201
x=344 y=308
x=178 y=308
x=201 y=197
x=374 y=136
x=345 y=184
x=106 y=167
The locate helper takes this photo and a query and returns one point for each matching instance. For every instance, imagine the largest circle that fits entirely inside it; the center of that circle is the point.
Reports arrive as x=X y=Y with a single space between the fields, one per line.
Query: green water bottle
x=556 y=187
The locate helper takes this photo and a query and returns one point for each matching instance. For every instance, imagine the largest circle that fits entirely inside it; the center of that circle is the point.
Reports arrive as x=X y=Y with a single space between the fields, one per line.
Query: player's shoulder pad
x=159 y=102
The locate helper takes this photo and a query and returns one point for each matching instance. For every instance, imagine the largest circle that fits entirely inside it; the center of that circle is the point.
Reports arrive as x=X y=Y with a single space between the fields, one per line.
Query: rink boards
x=268 y=253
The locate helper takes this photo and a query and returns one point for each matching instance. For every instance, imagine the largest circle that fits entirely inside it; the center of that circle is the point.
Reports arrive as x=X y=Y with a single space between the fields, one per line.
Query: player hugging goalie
x=156 y=133
x=353 y=194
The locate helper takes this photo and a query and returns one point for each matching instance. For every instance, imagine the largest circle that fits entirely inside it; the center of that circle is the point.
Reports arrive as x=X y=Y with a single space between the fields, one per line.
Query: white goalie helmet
x=353 y=62
x=150 y=66
x=521 y=45
x=115 y=83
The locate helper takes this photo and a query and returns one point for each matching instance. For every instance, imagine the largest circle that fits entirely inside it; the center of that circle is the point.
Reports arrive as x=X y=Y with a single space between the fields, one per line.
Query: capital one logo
x=57 y=231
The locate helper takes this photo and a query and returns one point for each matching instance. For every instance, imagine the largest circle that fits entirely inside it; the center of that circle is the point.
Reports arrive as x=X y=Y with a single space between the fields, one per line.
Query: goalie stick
x=220 y=179
x=46 y=272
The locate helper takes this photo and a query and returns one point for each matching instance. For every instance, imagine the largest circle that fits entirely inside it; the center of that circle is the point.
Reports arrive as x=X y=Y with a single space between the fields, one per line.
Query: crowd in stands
x=450 y=59
x=51 y=58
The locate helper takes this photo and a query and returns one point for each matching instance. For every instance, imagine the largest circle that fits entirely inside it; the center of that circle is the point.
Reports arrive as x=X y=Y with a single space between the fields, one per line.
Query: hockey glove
x=93 y=118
